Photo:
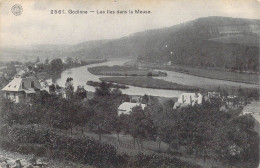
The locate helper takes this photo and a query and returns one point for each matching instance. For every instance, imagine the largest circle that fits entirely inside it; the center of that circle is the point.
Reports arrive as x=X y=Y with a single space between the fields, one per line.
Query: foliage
x=56 y=65
x=31 y=139
x=154 y=161
x=204 y=131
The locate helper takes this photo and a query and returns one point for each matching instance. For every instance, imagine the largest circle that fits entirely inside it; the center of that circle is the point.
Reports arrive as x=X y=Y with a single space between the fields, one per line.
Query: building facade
x=21 y=88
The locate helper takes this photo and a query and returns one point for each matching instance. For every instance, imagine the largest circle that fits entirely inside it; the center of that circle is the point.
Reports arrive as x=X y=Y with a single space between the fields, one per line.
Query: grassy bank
x=209 y=73
x=148 y=82
x=111 y=85
x=123 y=71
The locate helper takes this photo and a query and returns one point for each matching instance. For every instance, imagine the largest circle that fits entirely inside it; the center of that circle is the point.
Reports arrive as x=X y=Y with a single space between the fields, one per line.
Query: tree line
x=200 y=131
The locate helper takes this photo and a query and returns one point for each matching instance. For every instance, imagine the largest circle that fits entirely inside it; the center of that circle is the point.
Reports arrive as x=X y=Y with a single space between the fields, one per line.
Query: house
x=44 y=85
x=135 y=98
x=168 y=63
x=126 y=107
x=186 y=99
x=214 y=95
x=21 y=88
x=19 y=68
x=65 y=60
x=252 y=108
x=60 y=91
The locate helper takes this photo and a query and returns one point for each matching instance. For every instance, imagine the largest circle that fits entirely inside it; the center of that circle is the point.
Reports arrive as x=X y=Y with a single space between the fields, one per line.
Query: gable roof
x=16 y=84
x=126 y=107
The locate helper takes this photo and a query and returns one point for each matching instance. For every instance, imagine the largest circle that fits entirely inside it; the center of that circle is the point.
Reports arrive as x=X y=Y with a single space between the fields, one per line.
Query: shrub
x=42 y=141
x=83 y=150
x=149 y=74
x=153 y=161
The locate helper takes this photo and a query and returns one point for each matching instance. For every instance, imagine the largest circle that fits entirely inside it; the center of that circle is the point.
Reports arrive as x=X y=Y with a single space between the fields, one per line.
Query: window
x=32 y=84
x=8 y=95
x=23 y=85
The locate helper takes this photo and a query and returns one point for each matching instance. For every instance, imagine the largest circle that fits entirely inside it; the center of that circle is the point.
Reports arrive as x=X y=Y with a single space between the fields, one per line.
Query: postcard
x=129 y=84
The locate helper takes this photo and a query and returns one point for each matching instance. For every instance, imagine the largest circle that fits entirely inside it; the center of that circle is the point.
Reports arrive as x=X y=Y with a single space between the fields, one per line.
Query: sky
x=36 y=25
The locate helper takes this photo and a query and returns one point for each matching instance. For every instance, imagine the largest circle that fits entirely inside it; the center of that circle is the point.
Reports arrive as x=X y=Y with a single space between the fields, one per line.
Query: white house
x=44 y=85
x=21 y=88
x=186 y=99
x=126 y=107
x=252 y=108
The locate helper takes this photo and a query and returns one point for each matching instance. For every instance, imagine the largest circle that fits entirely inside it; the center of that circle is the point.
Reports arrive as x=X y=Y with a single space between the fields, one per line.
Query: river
x=81 y=75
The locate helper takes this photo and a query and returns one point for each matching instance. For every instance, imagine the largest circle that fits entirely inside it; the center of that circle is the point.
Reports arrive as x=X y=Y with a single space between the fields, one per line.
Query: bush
x=153 y=161
x=149 y=74
x=42 y=141
x=83 y=150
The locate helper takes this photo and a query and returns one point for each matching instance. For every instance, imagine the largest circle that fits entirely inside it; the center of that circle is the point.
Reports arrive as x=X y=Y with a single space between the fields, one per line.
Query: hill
x=215 y=42
x=220 y=42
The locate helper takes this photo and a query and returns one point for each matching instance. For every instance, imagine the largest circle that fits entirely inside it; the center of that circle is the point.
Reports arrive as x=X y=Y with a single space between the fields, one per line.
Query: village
x=26 y=88
x=25 y=84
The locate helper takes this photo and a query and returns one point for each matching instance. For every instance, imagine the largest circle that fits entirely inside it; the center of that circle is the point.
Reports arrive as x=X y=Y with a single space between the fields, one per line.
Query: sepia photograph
x=129 y=83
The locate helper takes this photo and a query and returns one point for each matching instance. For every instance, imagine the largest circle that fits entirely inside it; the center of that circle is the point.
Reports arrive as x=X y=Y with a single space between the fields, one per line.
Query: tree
x=69 y=88
x=85 y=114
x=52 y=88
x=141 y=125
x=105 y=112
x=56 y=65
x=46 y=61
x=37 y=60
x=103 y=90
x=69 y=61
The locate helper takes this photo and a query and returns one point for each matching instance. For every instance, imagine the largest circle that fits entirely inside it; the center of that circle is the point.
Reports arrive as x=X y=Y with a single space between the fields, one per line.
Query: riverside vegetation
x=59 y=128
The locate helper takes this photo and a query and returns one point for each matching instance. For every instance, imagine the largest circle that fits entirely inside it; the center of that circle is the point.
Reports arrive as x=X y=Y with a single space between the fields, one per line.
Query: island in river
x=111 y=85
x=124 y=71
x=148 y=82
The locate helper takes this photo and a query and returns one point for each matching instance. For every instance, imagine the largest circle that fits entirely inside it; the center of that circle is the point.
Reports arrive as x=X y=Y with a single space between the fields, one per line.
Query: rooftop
x=126 y=107
x=252 y=108
x=22 y=84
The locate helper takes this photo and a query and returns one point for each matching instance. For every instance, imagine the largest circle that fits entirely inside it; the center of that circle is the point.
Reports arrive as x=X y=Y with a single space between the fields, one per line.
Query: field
x=148 y=82
x=123 y=71
x=209 y=73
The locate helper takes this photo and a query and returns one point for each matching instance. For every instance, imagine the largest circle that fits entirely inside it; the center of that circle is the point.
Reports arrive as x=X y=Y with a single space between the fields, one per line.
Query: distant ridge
x=213 y=41
x=219 y=42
